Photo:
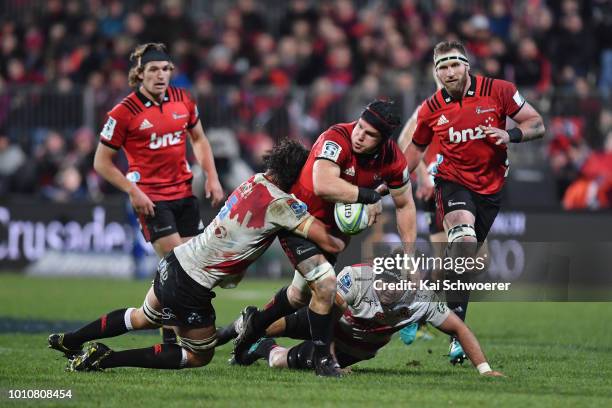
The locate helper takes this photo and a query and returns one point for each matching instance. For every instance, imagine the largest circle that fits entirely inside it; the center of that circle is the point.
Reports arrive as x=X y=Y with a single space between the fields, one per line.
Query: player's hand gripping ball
x=351 y=219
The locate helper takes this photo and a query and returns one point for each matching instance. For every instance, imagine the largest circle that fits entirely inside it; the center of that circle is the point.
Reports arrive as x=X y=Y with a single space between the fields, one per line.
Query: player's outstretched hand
x=500 y=135
x=374 y=210
x=493 y=373
x=141 y=202
x=214 y=192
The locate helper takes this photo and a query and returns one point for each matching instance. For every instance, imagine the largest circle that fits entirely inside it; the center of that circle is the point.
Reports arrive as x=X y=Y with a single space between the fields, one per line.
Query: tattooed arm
x=529 y=123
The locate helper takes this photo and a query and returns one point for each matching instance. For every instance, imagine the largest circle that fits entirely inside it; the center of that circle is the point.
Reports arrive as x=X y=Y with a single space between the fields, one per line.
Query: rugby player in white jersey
x=373 y=307
x=181 y=293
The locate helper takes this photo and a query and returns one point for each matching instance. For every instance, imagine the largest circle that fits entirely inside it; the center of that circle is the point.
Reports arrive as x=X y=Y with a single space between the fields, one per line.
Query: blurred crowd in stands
x=263 y=70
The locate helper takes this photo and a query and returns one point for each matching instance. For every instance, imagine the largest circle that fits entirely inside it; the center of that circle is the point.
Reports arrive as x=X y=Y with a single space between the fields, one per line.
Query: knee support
x=461 y=231
x=151 y=314
x=198 y=346
x=322 y=271
x=300 y=357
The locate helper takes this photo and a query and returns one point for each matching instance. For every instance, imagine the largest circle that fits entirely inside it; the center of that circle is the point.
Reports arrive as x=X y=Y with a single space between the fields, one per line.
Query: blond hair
x=136 y=56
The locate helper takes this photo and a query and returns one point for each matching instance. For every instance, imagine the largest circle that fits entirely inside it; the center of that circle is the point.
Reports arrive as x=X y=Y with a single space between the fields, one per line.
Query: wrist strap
x=367 y=196
x=516 y=135
x=483 y=368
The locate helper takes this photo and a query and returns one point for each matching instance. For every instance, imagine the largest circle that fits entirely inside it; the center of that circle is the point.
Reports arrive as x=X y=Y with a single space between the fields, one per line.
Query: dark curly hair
x=285 y=162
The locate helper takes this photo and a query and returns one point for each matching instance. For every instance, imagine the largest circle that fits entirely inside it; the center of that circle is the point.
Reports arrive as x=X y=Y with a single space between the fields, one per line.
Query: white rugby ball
x=351 y=219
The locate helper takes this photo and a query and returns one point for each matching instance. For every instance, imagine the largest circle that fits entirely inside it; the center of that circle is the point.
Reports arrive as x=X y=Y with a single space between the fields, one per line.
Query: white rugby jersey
x=367 y=325
x=244 y=228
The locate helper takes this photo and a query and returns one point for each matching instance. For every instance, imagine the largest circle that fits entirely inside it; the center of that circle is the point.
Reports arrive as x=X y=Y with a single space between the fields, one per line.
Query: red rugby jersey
x=469 y=157
x=153 y=138
x=388 y=165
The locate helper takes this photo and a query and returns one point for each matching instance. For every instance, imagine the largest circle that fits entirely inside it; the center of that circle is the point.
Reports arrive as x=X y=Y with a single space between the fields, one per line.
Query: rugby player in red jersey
x=468 y=119
x=181 y=294
x=347 y=163
x=152 y=125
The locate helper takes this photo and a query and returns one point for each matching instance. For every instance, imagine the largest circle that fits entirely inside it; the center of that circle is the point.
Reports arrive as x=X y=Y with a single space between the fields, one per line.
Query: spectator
x=573 y=48
x=11 y=160
x=532 y=69
x=243 y=63
x=67 y=186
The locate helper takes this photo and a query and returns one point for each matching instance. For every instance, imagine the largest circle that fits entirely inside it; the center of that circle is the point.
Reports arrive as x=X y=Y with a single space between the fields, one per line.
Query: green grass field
x=554 y=354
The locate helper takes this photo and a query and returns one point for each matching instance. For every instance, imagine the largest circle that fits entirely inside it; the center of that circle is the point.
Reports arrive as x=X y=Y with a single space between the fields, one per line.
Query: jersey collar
x=471 y=92
x=146 y=101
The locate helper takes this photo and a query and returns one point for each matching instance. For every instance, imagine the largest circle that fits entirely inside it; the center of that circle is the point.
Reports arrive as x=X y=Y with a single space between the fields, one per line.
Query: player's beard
x=455 y=89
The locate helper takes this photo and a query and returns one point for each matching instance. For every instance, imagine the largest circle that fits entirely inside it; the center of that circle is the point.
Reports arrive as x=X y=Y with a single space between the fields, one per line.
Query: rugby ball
x=351 y=219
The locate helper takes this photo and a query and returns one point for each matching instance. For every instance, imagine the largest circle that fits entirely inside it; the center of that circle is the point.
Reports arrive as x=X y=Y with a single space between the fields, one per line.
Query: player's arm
x=454 y=326
x=530 y=122
x=530 y=126
x=314 y=230
x=405 y=215
x=204 y=156
x=425 y=186
x=104 y=165
x=405 y=136
x=331 y=187
x=414 y=155
x=421 y=137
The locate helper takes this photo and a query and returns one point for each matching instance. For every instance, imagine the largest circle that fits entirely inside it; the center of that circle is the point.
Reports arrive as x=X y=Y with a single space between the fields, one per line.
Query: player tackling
x=347 y=163
x=181 y=294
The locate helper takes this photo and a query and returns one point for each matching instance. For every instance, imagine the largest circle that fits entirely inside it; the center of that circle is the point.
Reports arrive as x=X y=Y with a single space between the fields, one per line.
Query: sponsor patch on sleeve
x=109 y=128
x=518 y=99
x=298 y=207
x=346 y=282
x=331 y=150
x=441 y=307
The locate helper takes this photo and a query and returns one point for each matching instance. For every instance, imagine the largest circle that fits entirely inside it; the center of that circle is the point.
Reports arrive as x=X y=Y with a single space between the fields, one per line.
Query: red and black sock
x=109 y=325
x=162 y=356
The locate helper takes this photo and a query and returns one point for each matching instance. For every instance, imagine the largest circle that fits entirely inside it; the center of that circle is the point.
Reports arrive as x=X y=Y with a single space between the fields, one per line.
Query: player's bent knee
x=200 y=351
x=139 y=321
x=325 y=288
x=462 y=240
x=322 y=280
x=151 y=315
x=296 y=297
x=199 y=359
x=462 y=233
